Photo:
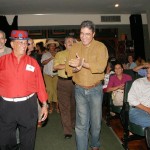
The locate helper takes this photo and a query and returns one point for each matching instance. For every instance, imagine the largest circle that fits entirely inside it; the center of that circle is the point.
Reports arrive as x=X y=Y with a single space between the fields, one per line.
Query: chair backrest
x=137 y=75
x=124 y=114
x=147 y=134
x=129 y=72
x=126 y=90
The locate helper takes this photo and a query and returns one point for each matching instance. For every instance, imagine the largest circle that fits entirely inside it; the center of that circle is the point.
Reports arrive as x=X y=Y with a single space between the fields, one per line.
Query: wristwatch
x=45 y=105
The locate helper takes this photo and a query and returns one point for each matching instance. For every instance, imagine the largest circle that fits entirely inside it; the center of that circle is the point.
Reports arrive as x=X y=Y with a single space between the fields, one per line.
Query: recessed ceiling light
x=39 y=14
x=116 y=5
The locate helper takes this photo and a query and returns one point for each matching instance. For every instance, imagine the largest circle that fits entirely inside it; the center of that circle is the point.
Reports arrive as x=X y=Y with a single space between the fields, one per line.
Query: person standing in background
x=86 y=63
x=40 y=49
x=3 y=49
x=50 y=76
x=20 y=80
x=65 y=92
x=31 y=52
x=31 y=48
x=36 y=54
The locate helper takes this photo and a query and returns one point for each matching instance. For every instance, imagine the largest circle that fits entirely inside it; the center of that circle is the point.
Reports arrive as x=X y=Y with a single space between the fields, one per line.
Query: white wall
x=68 y=19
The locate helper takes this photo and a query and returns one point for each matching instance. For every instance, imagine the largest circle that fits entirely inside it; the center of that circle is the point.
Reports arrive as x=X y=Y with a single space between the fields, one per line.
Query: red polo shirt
x=21 y=79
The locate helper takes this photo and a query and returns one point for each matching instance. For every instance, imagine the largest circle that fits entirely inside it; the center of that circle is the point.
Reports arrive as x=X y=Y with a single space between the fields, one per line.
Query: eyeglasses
x=22 y=43
x=85 y=34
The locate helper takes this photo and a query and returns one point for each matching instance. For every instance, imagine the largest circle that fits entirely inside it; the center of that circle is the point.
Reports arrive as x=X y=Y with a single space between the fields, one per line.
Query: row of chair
x=123 y=113
x=136 y=130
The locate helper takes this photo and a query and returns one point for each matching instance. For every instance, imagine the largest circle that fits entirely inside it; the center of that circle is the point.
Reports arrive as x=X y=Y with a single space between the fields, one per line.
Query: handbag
x=117 y=97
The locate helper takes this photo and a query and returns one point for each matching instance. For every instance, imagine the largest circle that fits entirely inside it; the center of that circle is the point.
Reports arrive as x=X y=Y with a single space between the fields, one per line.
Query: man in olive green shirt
x=86 y=63
x=65 y=91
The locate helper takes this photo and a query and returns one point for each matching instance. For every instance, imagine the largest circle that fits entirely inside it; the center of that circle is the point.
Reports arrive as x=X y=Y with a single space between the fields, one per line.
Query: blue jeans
x=88 y=116
x=139 y=117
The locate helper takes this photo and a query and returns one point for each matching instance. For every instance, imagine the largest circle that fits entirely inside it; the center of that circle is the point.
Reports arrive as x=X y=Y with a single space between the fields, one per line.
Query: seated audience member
x=139 y=61
x=131 y=64
x=139 y=99
x=116 y=84
x=108 y=71
x=142 y=69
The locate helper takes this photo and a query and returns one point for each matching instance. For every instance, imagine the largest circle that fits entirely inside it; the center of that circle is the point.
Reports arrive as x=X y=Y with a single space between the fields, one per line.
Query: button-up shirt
x=115 y=81
x=21 y=79
x=140 y=92
x=48 y=68
x=60 y=58
x=96 y=55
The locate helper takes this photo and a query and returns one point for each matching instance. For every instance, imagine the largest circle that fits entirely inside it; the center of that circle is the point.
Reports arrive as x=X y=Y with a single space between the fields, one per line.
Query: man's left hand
x=44 y=113
x=77 y=62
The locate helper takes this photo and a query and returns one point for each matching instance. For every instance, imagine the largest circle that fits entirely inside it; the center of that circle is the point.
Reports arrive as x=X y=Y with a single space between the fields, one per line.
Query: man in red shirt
x=21 y=82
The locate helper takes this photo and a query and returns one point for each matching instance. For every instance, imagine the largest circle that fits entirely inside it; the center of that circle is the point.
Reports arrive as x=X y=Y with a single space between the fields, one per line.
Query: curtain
x=4 y=26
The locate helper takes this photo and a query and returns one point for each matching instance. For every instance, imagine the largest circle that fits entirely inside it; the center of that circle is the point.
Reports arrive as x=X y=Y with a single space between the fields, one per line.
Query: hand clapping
x=77 y=62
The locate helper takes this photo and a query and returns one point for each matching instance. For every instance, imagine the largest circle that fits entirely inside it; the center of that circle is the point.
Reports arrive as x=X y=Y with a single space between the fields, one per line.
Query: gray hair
x=4 y=35
x=67 y=37
x=88 y=24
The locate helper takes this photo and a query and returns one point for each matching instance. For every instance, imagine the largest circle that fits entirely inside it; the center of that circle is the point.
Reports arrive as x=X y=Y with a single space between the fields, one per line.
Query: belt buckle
x=15 y=100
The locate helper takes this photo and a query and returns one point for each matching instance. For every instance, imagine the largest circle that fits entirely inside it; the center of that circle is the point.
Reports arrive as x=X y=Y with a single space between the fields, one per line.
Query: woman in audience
x=116 y=84
x=131 y=64
x=108 y=71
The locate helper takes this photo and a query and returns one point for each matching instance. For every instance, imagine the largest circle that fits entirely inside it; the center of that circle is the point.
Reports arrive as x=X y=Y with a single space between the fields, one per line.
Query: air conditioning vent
x=110 y=19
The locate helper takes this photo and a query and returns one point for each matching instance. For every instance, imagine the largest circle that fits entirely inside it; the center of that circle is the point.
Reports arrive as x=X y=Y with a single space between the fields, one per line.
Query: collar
x=22 y=57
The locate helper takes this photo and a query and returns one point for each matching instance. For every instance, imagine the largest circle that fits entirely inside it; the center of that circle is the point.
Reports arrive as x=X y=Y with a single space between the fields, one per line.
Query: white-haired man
x=3 y=49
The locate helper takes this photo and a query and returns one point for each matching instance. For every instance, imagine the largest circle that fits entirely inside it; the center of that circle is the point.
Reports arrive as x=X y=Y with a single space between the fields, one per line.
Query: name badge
x=30 y=68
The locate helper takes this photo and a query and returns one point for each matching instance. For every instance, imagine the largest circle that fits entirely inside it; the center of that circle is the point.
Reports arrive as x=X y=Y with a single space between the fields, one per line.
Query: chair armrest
x=110 y=101
x=124 y=115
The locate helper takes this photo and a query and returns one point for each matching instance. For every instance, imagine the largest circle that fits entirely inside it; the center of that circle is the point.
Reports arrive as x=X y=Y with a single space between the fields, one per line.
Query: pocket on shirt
x=4 y=73
x=30 y=81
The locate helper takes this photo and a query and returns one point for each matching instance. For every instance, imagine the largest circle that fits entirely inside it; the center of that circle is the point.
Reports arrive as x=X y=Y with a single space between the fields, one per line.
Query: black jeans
x=22 y=115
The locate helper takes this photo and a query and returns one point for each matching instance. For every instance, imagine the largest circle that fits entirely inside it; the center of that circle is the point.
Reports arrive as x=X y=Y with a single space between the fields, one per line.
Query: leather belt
x=69 y=78
x=89 y=87
x=18 y=99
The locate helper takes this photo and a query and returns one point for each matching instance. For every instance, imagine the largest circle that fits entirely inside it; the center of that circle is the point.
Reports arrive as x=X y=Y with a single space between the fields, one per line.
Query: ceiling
x=16 y=7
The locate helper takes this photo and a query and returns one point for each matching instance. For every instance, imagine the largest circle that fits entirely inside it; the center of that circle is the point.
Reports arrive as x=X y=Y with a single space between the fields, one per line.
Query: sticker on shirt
x=30 y=68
